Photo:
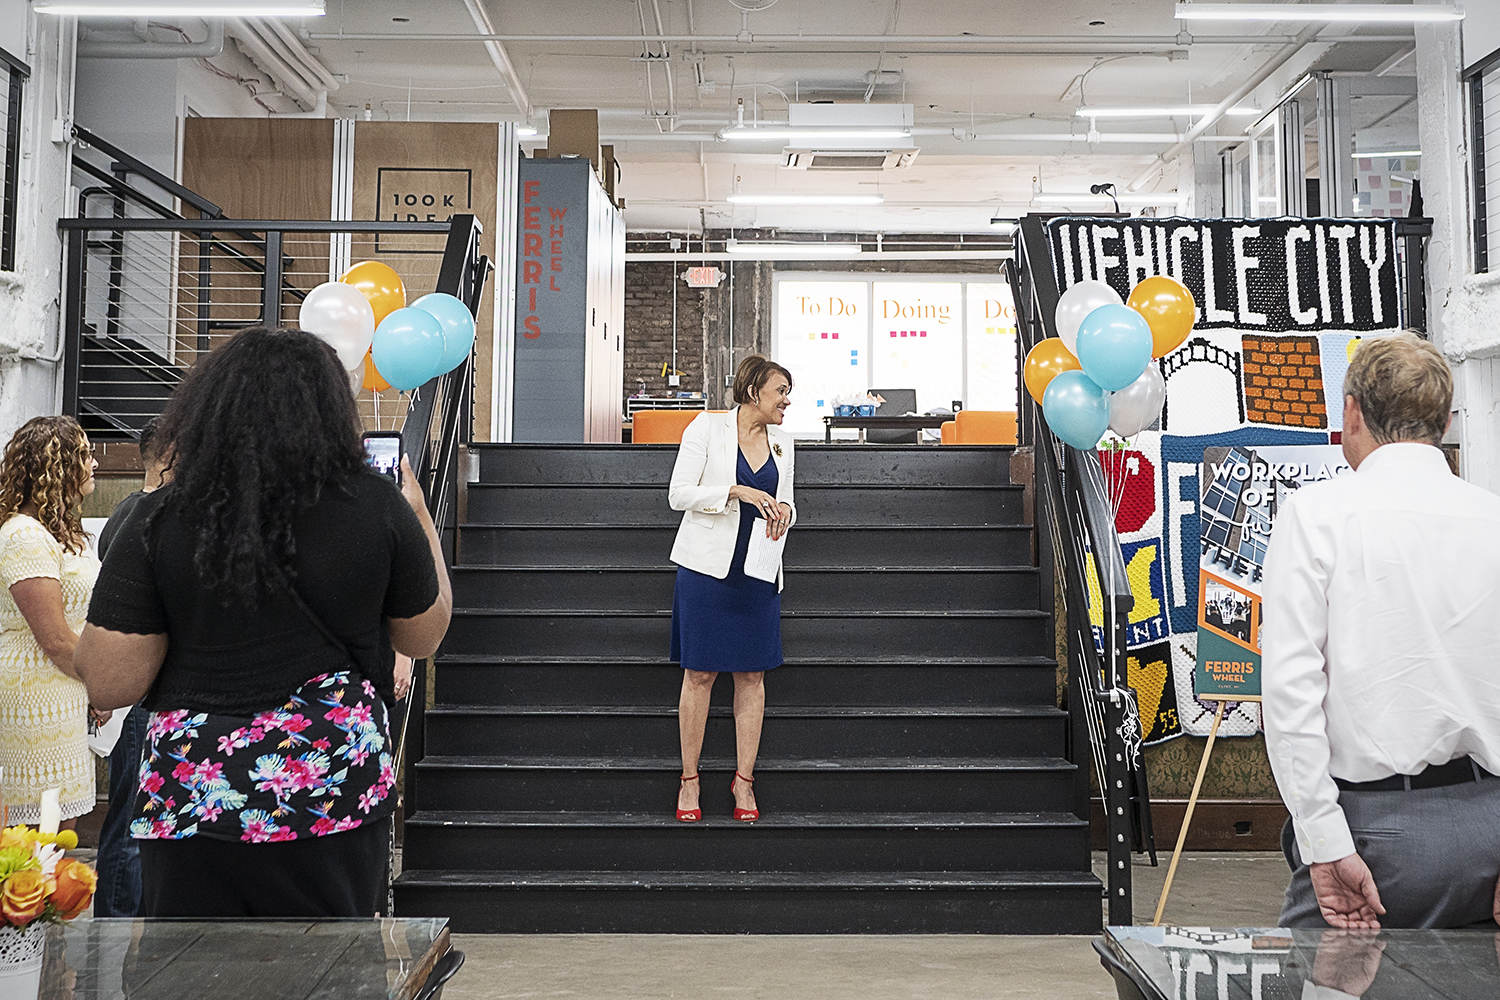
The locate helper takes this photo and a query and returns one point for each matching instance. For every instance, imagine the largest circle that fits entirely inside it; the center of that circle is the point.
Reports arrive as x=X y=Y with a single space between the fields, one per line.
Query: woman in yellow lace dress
x=46 y=577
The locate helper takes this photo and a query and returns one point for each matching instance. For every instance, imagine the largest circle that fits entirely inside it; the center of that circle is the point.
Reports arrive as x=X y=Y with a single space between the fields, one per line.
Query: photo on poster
x=1241 y=490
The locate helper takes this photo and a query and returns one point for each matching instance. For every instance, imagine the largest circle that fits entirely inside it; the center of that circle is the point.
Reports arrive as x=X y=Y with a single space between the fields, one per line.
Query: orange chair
x=661 y=426
x=949 y=431
x=985 y=426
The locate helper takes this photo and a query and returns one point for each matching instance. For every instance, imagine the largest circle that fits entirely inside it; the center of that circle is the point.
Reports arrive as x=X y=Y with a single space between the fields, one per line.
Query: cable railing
x=1075 y=515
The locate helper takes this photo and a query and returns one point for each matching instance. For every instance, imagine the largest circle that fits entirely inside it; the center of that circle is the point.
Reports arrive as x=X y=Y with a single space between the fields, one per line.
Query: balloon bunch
x=1097 y=374
x=364 y=317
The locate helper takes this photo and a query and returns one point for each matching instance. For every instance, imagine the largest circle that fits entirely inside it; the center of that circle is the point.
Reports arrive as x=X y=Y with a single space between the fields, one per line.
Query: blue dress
x=733 y=624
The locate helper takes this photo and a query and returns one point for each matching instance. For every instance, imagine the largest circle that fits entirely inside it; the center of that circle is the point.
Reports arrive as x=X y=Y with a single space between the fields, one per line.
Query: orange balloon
x=373 y=379
x=381 y=285
x=1047 y=360
x=1169 y=310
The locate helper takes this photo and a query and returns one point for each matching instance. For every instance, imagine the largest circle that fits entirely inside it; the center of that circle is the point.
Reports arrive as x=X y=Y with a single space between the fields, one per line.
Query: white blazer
x=705 y=470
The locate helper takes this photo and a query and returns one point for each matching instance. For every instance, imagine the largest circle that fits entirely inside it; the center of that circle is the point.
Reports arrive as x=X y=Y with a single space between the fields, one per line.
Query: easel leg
x=1187 y=817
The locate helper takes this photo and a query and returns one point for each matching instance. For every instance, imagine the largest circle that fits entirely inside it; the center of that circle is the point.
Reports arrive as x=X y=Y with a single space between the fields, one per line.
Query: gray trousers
x=1434 y=853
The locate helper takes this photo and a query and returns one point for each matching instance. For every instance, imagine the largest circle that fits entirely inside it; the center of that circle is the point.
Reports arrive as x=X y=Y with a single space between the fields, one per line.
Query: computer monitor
x=898 y=403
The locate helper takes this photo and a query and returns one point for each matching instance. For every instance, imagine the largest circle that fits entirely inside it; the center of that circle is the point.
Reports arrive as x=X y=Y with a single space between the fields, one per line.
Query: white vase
x=21 y=951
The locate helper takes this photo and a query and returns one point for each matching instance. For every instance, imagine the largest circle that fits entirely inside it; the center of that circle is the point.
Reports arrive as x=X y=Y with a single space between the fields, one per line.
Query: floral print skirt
x=320 y=764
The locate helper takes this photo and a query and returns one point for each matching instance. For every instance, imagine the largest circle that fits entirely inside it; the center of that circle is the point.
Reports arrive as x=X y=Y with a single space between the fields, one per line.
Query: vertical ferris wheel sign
x=1242 y=489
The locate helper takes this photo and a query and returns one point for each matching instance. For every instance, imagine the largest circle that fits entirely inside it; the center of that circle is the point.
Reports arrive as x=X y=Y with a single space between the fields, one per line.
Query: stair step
x=921 y=588
x=779 y=841
x=817 y=464
x=794 y=731
x=647 y=503
x=499 y=680
x=809 y=545
x=791 y=902
x=641 y=784
x=805 y=633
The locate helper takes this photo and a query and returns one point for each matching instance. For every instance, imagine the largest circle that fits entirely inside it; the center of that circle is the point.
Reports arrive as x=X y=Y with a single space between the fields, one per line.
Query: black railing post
x=270 y=302
x=72 y=331
x=205 y=291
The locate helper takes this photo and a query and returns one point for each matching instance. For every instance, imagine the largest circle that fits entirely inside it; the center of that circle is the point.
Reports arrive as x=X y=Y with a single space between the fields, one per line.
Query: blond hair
x=46 y=463
x=1403 y=387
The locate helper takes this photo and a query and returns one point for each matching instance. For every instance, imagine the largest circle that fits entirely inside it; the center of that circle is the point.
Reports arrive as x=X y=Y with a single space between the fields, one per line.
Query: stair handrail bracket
x=1073 y=510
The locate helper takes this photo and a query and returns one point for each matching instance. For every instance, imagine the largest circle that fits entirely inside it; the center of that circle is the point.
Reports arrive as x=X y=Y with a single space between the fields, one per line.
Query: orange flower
x=23 y=897
x=14 y=836
x=75 y=887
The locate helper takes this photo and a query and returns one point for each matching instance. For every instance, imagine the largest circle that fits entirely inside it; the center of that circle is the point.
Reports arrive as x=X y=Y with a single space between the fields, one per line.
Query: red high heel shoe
x=690 y=815
x=744 y=815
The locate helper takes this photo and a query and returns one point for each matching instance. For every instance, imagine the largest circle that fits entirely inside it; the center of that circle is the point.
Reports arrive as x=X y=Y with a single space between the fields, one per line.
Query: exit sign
x=703 y=277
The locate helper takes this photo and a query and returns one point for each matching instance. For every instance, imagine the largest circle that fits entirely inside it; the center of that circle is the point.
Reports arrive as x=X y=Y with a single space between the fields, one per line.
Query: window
x=1484 y=148
x=13 y=73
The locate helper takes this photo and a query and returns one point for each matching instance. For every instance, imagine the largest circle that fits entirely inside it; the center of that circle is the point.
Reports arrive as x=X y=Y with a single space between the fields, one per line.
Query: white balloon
x=1136 y=407
x=356 y=380
x=341 y=315
x=1076 y=303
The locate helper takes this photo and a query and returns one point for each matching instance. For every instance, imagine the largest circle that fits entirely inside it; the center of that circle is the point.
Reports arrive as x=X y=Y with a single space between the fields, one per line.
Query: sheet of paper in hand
x=763 y=558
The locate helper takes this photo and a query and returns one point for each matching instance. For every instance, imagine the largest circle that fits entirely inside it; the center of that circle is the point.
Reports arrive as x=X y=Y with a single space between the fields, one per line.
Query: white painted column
x=30 y=318
x=1460 y=304
x=503 y=354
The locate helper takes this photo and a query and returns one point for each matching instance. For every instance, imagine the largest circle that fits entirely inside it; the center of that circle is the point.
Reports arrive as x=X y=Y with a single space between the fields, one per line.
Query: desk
x=882 y=423
x=1246 y=963
x=111 y=959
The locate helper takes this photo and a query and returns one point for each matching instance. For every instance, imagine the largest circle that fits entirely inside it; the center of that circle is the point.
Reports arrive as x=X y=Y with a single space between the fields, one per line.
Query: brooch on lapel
x=777 y=449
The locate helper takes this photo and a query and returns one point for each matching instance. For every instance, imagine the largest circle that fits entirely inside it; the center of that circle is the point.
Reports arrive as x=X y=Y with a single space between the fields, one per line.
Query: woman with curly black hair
x=46 y=576
x=255 y=602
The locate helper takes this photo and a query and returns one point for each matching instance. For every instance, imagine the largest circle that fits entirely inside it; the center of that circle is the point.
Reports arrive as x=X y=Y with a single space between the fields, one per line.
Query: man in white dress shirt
x=1381 y=660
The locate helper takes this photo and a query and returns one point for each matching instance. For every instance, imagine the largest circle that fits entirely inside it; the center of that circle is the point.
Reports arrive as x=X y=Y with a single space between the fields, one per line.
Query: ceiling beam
x=494 y=45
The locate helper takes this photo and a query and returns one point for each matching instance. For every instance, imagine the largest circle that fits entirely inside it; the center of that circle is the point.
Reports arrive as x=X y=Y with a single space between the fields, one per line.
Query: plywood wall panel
x=428 y=171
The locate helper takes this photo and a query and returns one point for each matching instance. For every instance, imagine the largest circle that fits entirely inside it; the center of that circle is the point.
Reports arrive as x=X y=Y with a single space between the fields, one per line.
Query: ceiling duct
x=825 y=149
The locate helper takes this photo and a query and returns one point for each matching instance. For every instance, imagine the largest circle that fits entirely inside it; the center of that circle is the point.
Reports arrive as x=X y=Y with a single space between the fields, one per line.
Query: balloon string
x=376 y=394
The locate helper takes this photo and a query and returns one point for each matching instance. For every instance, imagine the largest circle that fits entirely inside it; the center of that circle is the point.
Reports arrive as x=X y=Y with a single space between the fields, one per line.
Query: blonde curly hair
x=47 y=463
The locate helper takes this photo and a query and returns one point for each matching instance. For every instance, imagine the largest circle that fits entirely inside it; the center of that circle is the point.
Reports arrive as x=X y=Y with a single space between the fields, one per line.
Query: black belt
x=1455 y=772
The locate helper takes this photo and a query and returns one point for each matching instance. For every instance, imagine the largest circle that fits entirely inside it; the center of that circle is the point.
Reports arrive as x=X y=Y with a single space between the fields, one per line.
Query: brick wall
x=648 y=328
x=1284 y=382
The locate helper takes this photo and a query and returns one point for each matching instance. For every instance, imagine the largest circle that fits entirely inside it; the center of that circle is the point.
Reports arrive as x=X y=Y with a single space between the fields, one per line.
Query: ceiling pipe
x=494 y=45
x=966 y=41
x=320 y=109
x=298 y=65
x=324 y=79
x=206 y=49
x=260 y=54
x=1105 y=138
x=1281 y=58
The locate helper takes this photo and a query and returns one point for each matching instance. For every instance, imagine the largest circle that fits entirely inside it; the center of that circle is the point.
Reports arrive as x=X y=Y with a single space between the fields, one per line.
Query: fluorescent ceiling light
x=806 y=199
x=1004 y=226
x=181 y=8
x=1390 y=13
x=782 y=133
x=525 y=131
x=774 y=250
x=1125 y=200
x=1382 y=153
x=1159 y=111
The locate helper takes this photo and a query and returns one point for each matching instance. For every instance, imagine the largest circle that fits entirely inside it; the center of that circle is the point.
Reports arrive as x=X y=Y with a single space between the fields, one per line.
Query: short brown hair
x=47 y=463
x=1403 y=387
x=754 y=372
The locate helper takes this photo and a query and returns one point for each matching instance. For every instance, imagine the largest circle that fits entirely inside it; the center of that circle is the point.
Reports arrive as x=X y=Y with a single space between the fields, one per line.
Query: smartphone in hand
x=383 y=453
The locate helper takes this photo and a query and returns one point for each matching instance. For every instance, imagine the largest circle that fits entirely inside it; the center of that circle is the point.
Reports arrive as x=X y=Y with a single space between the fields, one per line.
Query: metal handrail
x=1073 y=504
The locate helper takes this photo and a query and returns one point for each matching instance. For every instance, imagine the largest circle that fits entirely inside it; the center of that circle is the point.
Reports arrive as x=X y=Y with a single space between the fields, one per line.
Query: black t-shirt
x=112 y=526
x=362 y=557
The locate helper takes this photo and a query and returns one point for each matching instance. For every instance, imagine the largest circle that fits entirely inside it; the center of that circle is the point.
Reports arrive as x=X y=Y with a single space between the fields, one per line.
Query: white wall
x=1462 y=305
x=30 y=297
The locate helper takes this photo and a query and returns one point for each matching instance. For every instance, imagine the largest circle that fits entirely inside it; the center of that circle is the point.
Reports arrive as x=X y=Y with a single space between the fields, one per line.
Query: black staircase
x=914 y=773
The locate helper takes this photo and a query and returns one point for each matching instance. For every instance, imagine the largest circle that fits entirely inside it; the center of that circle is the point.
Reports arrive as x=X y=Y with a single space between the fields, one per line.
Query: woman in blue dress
x=733 y=477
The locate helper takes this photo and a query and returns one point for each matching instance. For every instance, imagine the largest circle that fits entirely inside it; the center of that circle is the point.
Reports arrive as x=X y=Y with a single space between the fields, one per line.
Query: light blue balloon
x=1076 y=409
x=408 y=347
x=1114 y=346
x=458 y=327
